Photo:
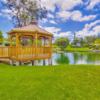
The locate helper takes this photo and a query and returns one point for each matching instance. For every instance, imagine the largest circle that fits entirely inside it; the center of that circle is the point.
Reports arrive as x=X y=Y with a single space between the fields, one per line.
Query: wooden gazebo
x=28 y=43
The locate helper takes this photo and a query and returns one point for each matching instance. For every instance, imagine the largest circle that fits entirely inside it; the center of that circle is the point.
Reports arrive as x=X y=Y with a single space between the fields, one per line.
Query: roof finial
x=34 y=22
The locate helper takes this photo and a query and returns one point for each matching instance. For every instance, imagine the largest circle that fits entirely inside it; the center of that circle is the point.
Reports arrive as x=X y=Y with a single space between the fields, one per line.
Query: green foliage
x=1 y=37
x=76 y=40
x=90 y=41
x=6 y=42
x=96 y=44
x=63 y=82
x=62 y=59
x=38 y=42
x=86 y=42
x=1 y=34
x=97 y=41
x=62 y=43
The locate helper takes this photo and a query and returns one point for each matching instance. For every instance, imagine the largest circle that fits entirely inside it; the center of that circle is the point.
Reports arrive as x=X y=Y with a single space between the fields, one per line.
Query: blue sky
x=64 y=18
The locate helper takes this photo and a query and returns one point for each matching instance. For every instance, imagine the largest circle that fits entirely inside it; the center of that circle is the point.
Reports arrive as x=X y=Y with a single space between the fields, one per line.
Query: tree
x=23 y=12
x=62 y=42
x=80 y=42
x=1 y=37
x=90 y=40
x=75 y=41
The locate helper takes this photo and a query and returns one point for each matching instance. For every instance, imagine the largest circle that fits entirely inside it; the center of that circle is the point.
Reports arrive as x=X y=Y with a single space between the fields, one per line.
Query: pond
x=74 y=58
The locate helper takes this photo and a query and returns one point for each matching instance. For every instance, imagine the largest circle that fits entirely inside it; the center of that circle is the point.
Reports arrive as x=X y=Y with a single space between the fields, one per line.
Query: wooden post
x=11 y=62
x=17 y=40
x=44 y=63
x=36 y=39
x=50 y=62
x=32 y=62
x=50 y=46
x=9 y=49
x=10 y=39
x=20 y=63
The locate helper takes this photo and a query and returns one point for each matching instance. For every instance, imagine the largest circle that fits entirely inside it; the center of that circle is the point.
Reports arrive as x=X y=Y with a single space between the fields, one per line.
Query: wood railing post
x=44 y=62
x=36 y=44
x=32 y=62
x=50 y=61
x=17 y=45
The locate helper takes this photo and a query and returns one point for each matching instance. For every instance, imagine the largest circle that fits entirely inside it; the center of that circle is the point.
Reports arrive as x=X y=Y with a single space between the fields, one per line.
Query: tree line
x=88 y=41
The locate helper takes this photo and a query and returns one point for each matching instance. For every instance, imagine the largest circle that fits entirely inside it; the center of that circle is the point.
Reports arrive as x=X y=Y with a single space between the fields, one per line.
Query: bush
x=62 y=43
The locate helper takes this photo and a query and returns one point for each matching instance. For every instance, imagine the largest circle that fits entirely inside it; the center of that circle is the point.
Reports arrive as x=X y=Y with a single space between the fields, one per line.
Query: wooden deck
x=25 y=53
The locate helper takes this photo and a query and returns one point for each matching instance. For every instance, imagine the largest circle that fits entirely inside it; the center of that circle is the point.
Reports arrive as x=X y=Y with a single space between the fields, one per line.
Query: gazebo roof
x=30 y=28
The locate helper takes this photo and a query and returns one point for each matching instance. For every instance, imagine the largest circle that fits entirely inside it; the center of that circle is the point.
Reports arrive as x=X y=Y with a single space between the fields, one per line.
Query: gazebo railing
x=25 y=53
x=4 y=52
x=30 y=53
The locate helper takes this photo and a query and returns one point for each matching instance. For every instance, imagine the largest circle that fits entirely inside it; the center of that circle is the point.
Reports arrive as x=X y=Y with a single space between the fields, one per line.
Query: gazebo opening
x=26 y=41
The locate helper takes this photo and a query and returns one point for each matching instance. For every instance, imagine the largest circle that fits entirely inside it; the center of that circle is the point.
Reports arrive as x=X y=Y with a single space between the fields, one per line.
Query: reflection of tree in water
x=79 y=56
x=63 y=59
x=92 y=57
x=76 y=57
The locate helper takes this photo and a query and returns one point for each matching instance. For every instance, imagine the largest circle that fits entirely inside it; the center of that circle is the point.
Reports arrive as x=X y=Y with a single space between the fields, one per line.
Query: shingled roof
x=30 y=28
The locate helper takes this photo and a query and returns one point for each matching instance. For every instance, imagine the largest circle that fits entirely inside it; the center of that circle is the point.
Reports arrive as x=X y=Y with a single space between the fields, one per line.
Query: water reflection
x=62 y=59
x=76 y=58
x=73 y=58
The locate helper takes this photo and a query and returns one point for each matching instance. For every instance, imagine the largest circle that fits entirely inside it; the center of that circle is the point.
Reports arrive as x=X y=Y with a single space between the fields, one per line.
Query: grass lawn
x=64 y=82
x=77 y=49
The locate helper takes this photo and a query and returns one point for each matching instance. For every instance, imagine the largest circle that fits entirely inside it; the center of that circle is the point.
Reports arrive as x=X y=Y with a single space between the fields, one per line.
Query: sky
x=64 y=18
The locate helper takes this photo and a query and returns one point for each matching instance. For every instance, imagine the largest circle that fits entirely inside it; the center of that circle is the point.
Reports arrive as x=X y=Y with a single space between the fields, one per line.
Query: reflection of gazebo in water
x=28 y=43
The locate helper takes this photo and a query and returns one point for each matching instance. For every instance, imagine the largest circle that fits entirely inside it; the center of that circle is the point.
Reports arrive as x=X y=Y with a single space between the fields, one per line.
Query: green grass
x=64 y=82
x=77 y=49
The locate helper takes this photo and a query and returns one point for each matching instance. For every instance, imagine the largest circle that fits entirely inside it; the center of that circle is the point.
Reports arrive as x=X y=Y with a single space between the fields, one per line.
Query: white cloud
x=56 y=32
x=49 y=4
x=43 y=20
x=53 y=30
x=65 y=15
x=83 y=33
x=87 y=18
x=75 y=16
x=93 y=3
x=6 y=11
x=47 y=21
x=5 y=1
x=91 y=25
x=69 y=4
x=97 y=29
x=90 y=29
x=52 y=22
x=50 y=16
x=5 y=16
x=63 y=34
x=63 y=5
